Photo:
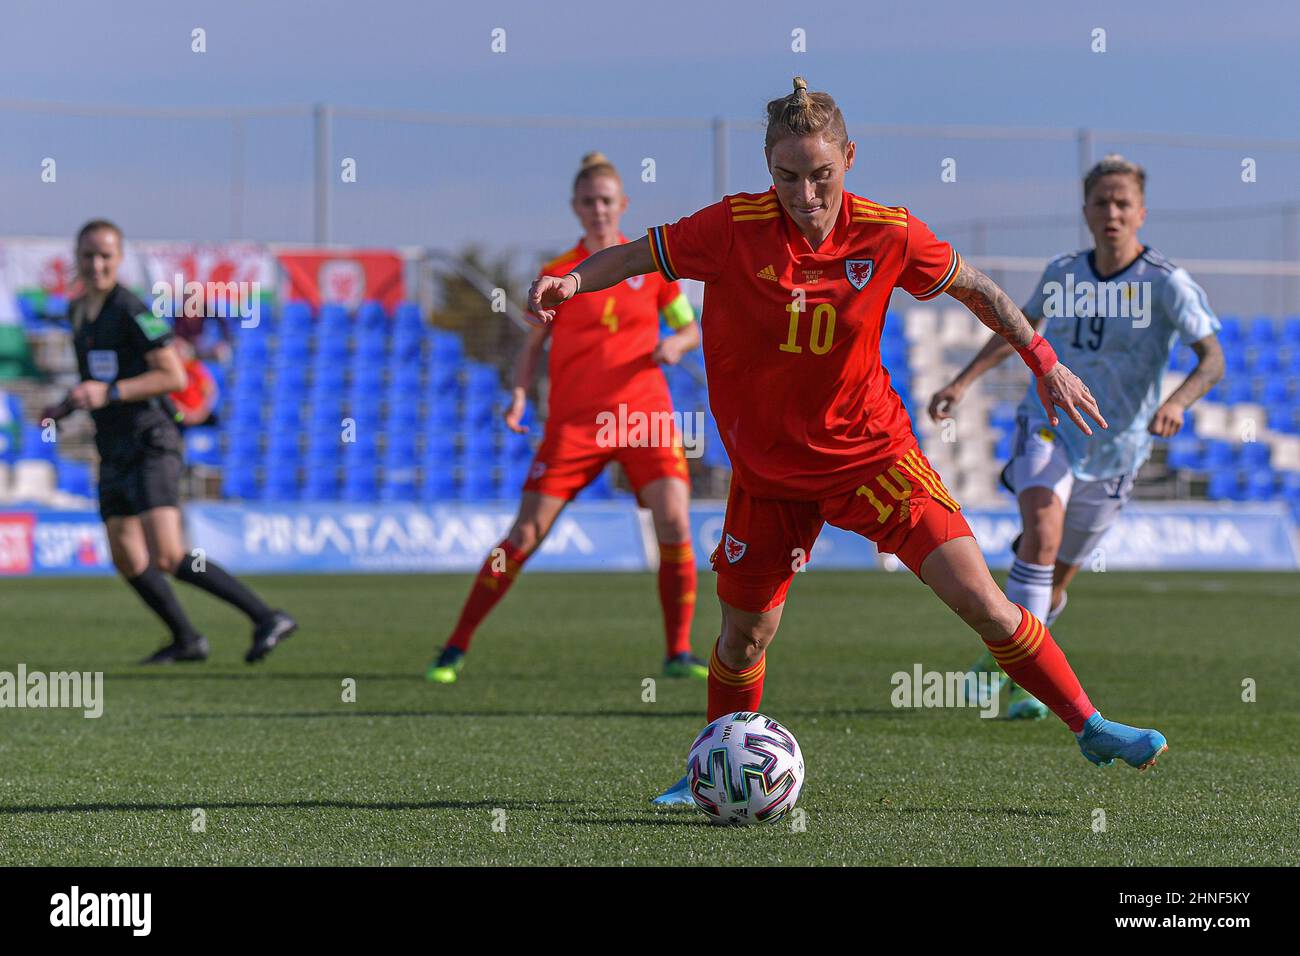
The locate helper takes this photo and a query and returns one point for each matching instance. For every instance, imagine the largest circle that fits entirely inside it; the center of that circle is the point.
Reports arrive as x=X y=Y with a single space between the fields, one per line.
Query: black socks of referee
x=221 y=584
x=155 y=591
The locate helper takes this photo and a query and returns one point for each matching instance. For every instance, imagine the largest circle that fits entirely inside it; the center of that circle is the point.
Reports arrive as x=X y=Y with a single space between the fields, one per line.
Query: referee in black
x=127 y=368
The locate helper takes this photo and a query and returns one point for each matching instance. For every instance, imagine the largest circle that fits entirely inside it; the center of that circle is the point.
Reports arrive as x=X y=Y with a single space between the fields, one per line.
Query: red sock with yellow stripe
x=677 y=594
x=1034 y=661
x=731 y=690
x=494 y=579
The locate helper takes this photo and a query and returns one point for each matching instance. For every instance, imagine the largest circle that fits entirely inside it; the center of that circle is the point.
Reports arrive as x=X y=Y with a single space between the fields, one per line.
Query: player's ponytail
x=805 y=114
x=595 y=164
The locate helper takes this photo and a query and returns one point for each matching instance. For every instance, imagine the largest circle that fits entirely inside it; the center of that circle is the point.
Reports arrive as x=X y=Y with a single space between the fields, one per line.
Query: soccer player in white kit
x=1112 y=313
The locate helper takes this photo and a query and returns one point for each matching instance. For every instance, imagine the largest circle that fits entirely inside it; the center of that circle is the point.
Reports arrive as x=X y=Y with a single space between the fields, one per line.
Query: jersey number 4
x=609 y=319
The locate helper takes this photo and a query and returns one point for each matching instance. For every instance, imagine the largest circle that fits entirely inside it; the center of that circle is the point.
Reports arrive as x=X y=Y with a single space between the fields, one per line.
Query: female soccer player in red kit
x=605 y=354
x=797 y=281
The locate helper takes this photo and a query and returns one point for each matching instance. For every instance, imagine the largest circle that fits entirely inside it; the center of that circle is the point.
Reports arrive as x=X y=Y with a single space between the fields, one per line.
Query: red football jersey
x=601 y=346
x=792 y=335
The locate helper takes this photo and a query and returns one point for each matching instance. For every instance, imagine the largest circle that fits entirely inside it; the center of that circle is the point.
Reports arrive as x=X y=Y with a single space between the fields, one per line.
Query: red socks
x=730 y=691
x=1033 y=660
x=677 y=594
x=494 y=579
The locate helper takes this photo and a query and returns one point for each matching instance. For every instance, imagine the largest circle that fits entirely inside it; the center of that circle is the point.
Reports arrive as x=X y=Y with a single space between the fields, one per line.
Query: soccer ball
x=745 y=768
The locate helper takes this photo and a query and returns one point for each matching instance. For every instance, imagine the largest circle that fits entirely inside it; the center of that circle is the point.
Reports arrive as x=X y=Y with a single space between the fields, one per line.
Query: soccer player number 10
x=823 y=328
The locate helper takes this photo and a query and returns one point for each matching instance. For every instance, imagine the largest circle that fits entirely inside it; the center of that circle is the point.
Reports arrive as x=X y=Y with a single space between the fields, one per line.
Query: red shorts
x=569 y=459
x=905 y=510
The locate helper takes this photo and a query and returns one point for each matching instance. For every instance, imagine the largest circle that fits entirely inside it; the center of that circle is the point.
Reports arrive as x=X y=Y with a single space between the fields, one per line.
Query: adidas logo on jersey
x=767 y=272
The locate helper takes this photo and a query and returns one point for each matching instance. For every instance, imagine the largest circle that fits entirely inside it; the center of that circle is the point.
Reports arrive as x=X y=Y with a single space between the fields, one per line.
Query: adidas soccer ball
x=745 y=768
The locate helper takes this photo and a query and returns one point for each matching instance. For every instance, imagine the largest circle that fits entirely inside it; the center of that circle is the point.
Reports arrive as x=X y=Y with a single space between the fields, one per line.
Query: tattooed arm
x=1168 y=419
x=1058 y=386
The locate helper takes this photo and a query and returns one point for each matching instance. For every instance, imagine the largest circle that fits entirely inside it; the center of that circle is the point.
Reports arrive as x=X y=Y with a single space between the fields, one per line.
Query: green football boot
x=1022 y=705
x=447 y=667
x=686 y=664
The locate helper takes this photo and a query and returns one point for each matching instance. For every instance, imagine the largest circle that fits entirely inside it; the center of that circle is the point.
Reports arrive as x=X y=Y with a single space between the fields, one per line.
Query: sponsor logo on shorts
x=1046 y=434
x=733 y=548
x=538 y=469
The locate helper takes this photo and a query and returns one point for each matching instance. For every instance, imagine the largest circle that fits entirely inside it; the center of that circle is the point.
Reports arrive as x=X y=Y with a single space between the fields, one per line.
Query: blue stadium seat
x=243 y=443
x=1184 y=453
x=334 y=316
x=1253 y=455
x=281 y=483
x=371 y=316
x=34 y=446
x=360 y=483
x=399 y=447
x=476 y=415
x=1218 y=454
x=403 y=416
x=445 y=347
x=441 y=417
x=1264 y=361
x=405 y=349
x=1234 y=361
x=322 y=483
x=1272 y=391
x=478 y=486
x=297 y=316
x=331 y=346
x=513 y=476
x=1291 y=330
x=239 y=482
x=437 y=482
x=1223 y=486
x=1261 y=332
x=1289 y=485
x=371 y=350
x=283 y=443
x=1236 y=389
x=1260 y=485
x=290 y=377
x=1282 y=418
x=1231 y=332
x=516 y=447
x=202 y=446
x=481 y=379
x=408 y=317
x=74 y=478
x=254 y=343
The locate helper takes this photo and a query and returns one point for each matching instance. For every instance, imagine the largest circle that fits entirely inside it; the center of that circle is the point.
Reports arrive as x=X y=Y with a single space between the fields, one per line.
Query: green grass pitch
x=548 y=725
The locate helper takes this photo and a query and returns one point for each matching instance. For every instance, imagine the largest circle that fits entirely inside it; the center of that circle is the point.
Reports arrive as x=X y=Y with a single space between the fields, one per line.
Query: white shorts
x=1091 y=507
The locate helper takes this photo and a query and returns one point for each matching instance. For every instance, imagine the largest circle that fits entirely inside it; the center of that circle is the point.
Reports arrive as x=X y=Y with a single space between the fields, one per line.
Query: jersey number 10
x=823 y=329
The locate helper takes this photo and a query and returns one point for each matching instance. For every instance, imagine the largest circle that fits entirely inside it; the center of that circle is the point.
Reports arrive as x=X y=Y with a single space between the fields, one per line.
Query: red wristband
x=1039 y=356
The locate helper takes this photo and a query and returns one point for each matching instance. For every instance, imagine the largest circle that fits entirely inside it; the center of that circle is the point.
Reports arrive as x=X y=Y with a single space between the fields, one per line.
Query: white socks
x=1030 y=586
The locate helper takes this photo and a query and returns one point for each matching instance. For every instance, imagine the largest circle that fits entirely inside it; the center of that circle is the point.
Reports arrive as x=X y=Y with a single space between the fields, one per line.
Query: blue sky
x=1190 y=67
